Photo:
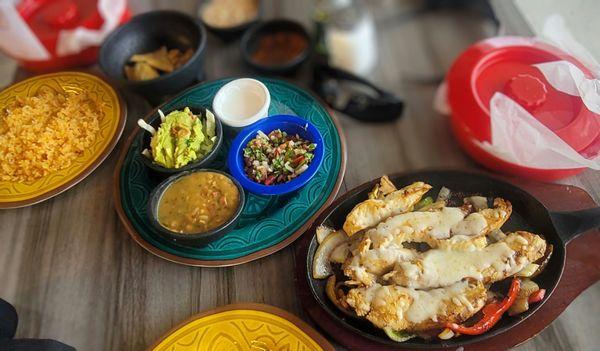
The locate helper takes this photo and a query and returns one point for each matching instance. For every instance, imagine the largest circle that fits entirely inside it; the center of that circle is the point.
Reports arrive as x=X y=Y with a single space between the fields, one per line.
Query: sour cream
x=242 y=102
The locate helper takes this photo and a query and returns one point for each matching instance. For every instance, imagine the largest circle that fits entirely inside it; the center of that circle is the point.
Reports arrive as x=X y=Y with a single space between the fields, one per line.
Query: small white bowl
x=242 y=102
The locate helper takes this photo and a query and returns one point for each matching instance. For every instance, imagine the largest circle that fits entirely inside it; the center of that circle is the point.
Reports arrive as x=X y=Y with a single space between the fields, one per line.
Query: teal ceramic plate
x=268 y=223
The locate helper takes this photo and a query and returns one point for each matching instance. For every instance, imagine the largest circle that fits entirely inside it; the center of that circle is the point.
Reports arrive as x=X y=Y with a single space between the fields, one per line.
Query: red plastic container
x=504 y=64
x=48 y=17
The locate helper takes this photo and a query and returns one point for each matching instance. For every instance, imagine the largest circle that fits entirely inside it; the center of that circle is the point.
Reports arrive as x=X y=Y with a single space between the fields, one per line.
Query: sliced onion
x=331 y=290
x=321 y=264
x=150 y=129
x=446 y=334
x=444 y=194
x=340 y=253
x=478 y=202
x=528 y=287
x=322 y=232
x=528 y=271
x=519 y=306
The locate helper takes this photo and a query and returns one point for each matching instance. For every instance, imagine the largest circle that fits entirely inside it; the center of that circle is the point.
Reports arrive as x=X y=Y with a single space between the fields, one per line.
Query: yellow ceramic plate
x=247 y=327
x=14 y=194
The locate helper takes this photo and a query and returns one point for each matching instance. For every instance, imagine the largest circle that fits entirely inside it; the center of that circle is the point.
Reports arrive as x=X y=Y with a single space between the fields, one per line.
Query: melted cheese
x=427 y=305
x=414 y=306
x=439 y=225
x=474 y=224
x=445 y=267
x=366 y=267
x=378 y=261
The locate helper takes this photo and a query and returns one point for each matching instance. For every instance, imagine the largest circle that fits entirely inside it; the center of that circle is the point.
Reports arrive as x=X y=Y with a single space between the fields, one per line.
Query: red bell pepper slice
x=537 y=296
x=491 y=313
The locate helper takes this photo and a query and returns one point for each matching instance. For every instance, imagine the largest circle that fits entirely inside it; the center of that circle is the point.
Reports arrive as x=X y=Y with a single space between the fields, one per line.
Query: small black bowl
x=163 y=172
x=146 y=33
x=229 y=33
x=195 y=239
x=251 y=38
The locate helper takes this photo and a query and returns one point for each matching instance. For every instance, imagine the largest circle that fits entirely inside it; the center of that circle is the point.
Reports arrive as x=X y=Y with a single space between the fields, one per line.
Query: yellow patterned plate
x=244 y=327
x=13 y=194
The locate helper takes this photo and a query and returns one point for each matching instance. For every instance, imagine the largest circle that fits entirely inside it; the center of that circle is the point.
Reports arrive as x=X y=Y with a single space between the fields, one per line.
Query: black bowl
x=195 y=239
x=251 y=39
x=163 y=172
x=148 y=32
x=229 y=33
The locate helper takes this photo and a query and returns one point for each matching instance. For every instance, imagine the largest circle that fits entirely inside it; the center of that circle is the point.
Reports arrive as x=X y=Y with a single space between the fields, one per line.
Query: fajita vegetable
x=277 y=158
x=181 y=138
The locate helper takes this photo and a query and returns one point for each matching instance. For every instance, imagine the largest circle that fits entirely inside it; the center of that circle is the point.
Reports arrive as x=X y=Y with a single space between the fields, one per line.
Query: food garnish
x=398 y=335
x=181 y=138
x=229 y=13
x=416 y=267
x=277 y=158
x=151 y=65
x=198 y=202
x=45 y=133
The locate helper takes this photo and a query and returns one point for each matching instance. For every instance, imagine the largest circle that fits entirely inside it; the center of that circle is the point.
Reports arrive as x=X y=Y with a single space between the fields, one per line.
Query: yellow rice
x=42 y=134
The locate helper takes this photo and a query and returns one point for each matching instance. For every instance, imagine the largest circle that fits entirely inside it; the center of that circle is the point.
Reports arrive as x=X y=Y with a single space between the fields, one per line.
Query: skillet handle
x=570 y=224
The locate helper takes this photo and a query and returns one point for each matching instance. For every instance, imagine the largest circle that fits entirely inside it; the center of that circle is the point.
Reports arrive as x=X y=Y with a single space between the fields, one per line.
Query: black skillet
x=528 y=214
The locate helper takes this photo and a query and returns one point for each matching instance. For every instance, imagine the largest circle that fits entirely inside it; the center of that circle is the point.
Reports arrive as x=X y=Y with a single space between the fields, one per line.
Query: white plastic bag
x=18 y=41
x=517 y=136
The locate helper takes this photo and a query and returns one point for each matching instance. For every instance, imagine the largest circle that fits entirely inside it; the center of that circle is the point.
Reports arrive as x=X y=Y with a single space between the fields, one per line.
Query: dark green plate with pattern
x=268 y=223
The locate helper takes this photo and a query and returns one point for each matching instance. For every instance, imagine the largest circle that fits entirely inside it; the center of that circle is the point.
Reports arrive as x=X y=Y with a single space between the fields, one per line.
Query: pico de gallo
x=277 y=158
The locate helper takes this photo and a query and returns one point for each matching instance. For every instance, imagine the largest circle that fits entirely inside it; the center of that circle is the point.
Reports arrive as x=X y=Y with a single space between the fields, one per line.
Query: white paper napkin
x=520 y=138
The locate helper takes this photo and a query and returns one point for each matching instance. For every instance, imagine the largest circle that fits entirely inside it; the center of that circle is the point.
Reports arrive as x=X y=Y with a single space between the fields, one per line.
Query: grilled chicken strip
x=434 y=228
x=413 y=310
x=381 y=247
x=372 y=211
x=439 y=268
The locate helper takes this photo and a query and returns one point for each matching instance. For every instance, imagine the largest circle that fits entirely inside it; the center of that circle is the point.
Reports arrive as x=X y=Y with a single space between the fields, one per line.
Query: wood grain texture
x=74 y=274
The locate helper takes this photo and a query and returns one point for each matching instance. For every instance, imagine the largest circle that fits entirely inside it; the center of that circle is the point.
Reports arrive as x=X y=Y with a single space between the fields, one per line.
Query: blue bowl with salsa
x=209 y=206
x=292 y=125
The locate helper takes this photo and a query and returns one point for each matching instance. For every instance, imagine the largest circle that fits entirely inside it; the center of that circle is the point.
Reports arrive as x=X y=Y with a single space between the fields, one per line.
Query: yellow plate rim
x=299 y=323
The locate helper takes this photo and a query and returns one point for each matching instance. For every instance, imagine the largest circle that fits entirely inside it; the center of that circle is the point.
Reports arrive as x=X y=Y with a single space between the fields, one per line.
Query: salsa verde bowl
x=286 y=123
x=195 y=238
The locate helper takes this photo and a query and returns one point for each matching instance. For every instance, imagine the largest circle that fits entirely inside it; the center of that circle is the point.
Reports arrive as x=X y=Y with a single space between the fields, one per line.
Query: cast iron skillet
x=529 y=214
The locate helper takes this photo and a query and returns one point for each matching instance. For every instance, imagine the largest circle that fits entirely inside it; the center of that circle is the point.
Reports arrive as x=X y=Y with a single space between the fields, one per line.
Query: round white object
x=242 y=102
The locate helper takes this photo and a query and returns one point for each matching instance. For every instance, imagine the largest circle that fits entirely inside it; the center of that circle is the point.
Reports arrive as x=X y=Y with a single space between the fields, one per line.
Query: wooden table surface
x=74 y=274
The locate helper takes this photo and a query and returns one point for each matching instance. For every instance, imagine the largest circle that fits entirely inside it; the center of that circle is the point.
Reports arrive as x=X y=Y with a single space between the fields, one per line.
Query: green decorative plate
x=268 y=223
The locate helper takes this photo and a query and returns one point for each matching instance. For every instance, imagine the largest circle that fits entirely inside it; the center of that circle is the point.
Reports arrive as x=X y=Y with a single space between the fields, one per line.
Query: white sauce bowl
x=242 y=102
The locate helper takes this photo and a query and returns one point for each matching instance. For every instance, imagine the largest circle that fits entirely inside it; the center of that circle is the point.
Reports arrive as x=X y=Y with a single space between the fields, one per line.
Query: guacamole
x=183 y=138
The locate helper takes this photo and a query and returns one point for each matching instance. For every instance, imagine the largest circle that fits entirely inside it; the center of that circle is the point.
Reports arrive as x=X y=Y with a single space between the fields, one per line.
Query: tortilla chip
x=158 y=59
x=183 y=58
x=141 y=71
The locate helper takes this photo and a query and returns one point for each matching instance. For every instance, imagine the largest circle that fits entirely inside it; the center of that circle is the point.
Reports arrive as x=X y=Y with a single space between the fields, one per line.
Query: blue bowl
x=288 y=124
